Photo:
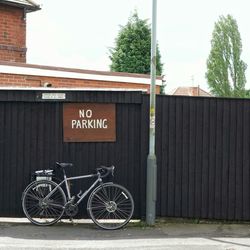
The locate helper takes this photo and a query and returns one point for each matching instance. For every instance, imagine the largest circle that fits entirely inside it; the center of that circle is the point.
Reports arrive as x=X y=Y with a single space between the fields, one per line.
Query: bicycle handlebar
x=105 y=171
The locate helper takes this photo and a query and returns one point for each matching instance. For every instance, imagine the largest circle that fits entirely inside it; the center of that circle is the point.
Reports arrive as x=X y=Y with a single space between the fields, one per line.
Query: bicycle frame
x=66 y=179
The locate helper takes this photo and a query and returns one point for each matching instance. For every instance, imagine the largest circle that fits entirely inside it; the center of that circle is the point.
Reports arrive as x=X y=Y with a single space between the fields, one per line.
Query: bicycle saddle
x=64 y=165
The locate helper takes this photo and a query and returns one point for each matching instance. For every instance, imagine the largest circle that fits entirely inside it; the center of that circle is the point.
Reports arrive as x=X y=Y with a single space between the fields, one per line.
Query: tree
x=225 y=70
x=132 y=52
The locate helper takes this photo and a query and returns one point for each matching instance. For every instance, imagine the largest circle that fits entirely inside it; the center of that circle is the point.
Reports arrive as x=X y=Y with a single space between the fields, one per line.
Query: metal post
x=151 y=161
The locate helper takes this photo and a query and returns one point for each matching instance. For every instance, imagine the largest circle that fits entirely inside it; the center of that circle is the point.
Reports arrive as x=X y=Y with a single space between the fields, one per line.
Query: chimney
x=13 y=29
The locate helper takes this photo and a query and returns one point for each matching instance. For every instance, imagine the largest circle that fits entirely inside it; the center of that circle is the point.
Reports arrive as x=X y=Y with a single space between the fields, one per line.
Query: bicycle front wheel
x=43 y=211
x=110 y=206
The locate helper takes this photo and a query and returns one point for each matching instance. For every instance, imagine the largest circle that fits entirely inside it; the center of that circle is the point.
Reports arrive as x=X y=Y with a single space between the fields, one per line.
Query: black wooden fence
x=31 y=138
x=202 y=146
x=203 y=154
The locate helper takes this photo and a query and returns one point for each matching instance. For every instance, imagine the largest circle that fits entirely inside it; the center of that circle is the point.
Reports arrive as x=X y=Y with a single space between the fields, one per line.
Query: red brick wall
x=12 y=34
x=11 y=80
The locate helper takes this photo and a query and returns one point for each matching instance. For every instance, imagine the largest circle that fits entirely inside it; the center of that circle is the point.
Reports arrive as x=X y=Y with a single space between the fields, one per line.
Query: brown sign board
x=89 y=122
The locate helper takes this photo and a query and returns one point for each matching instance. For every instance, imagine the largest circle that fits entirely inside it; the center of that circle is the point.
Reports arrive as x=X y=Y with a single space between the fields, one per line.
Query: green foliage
x=225 y=70
x=132 y=52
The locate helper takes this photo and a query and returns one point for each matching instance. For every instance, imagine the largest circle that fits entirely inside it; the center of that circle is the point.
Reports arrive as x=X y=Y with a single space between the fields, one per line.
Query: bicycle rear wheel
x=40 y=211
x=110 y=206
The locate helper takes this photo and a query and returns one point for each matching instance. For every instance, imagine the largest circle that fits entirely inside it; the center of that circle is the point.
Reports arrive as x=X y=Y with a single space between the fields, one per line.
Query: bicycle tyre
x=38 y=211
x=110 y=206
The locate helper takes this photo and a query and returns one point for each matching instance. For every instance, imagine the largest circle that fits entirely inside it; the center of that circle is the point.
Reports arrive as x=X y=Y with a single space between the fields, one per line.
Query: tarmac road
x=20 y=234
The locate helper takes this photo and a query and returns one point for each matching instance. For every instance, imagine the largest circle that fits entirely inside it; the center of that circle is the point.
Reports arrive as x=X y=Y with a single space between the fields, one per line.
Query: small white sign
x=152 y=122
x=53 y=96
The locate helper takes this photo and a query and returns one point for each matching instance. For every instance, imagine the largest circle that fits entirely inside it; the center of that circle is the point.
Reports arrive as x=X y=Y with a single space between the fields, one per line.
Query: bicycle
x=110 y=205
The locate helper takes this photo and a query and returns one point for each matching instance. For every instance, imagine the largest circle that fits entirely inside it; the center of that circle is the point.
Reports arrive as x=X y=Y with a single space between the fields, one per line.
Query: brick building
x=14 y=72
x=13 y=29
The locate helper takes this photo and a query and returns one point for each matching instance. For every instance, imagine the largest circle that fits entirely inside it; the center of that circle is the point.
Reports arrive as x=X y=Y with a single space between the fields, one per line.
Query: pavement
x=83 y=234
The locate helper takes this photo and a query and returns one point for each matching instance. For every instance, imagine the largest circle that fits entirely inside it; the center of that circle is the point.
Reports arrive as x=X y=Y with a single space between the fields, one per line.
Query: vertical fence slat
x=171 y=156
x=198 y=160
x=239 y=162
x=205 y=159
x=246 y=161
x=178 y=160
x=225 y=160
x=232 y=161
x=212 y=166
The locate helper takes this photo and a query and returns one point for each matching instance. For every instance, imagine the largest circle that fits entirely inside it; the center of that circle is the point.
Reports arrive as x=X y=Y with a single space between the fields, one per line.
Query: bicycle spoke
x=35 y=208
x=33 y=196
x=99 y=213
x=100 y=198
x=116 y=194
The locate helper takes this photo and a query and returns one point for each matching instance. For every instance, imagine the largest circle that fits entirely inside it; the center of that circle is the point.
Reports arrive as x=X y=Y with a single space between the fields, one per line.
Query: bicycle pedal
x=79 y=194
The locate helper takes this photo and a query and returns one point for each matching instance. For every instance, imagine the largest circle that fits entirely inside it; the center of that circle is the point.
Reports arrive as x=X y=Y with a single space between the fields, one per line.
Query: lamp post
x=151 y=160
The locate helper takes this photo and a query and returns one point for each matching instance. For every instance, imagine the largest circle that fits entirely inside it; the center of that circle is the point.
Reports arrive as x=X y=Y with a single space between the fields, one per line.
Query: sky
x=79 y=33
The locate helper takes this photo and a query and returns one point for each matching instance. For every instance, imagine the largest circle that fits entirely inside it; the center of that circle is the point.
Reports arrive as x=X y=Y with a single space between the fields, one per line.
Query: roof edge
x=49 y=89
x=28 y=7
x=81 y=75
x=77 y=70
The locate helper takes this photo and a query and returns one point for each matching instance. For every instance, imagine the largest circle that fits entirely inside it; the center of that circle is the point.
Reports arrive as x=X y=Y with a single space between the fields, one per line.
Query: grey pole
x=151 y=161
